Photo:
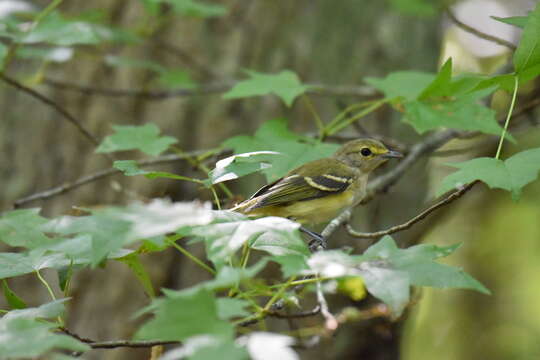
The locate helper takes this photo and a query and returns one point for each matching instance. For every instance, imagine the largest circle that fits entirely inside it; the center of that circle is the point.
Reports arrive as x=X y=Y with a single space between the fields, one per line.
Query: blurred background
x=334 y=43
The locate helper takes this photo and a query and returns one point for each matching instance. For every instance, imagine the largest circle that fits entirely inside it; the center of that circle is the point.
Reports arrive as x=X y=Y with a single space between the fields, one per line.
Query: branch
x=427 y=146
x=316 y=310
x=68 y=186
x=381 y=183
x=128 y=343
x=406 y=225
x=52 y=104
x=331 y=323
x=204 y=89
x=111 y=344
x=478 y=33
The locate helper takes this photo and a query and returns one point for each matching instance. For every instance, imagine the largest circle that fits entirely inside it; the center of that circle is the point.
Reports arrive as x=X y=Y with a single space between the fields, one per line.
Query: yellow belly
x=311 y=211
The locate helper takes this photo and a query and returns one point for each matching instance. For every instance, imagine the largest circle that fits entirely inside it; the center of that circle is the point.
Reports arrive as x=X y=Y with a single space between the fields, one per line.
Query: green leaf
x=15 y=264
x=131 y=168
x=274 y=135
x=284 y=240
x=57 y=30
x=527 y=55
x=64 y=277
x=55 y=54
x=228 y=276
x=183 y=314
x=14 y=301
x=223 y=239
x=133 y=261
x=440 y=85
x=197 y=9
x=145 y=138
x=207 y=348
x=228 y=308
x=402 y=84
x=505 y=81
x=519 y=21
x=389 y=271
x=239 y=165
x=422 y=8
x=46 y=311
x=112 y=228
x=441 y=101
x=464 y=113
x=511 y=175
x=19 y=326
x=22 y=228
x=285 y=85
x=291 y=264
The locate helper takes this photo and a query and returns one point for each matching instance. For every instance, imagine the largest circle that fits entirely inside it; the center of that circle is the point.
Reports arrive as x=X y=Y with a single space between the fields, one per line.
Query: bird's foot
x=317 y=243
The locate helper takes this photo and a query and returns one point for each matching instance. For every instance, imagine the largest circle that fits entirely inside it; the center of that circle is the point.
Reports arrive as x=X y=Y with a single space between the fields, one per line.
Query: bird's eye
x=365 y=151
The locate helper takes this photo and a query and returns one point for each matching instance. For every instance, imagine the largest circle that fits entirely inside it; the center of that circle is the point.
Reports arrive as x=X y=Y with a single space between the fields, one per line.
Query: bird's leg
x=317 y=239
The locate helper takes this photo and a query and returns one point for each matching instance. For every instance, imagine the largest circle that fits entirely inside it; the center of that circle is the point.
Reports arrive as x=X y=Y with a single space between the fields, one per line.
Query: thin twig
x=316 y=310
x=115 y=343
x=52 y=104
x=203 y=89
x=68 y=186
x=206 y=89
x=331 y=322
x=478 y=33
x=381 y=183
x=406 y=225
x=427 y=146
x=128 y=343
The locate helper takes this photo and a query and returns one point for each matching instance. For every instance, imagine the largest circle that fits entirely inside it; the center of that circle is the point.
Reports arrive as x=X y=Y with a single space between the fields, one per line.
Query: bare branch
x=478 y=33
x=68 y=186
x=111 y=344
x=427 y=146
x=316 y=310
x=331 y=323
x=406 y=225
x=381 y=183
x=52 y=104
x=204 y=89
x=128 y=343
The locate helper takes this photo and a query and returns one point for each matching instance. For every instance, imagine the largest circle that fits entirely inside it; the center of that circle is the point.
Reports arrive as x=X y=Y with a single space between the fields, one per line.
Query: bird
x=319 y=190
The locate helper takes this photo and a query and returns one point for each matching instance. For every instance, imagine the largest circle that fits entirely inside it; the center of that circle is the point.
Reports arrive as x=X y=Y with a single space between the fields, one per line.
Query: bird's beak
x=392 y=154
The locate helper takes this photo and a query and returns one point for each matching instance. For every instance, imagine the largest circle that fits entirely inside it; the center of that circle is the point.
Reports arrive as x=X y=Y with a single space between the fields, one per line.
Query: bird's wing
x=302 y=184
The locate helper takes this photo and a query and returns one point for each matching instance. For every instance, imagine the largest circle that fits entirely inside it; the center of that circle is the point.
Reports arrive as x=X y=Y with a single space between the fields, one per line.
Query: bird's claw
x=318 y=244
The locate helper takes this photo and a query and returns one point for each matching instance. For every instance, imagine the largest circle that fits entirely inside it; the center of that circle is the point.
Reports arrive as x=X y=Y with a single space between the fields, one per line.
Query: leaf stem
x=46 y=284
x=318 y=121
x=302 y=282
x=508 y=117
x=374 y=106
x=278 y=294
x=191 y=257
x=216 y=197
x=51 y=293
x=344 y=113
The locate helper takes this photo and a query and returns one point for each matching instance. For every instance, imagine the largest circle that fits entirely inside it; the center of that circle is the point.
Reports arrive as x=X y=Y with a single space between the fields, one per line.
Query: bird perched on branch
x=318 y=190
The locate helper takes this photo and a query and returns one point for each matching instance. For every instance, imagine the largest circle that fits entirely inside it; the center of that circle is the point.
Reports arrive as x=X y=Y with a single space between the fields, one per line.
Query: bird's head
x=365 y=154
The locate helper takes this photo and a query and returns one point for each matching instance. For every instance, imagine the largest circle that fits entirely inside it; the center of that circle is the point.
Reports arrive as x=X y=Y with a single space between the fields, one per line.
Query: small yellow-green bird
x=318 y=190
